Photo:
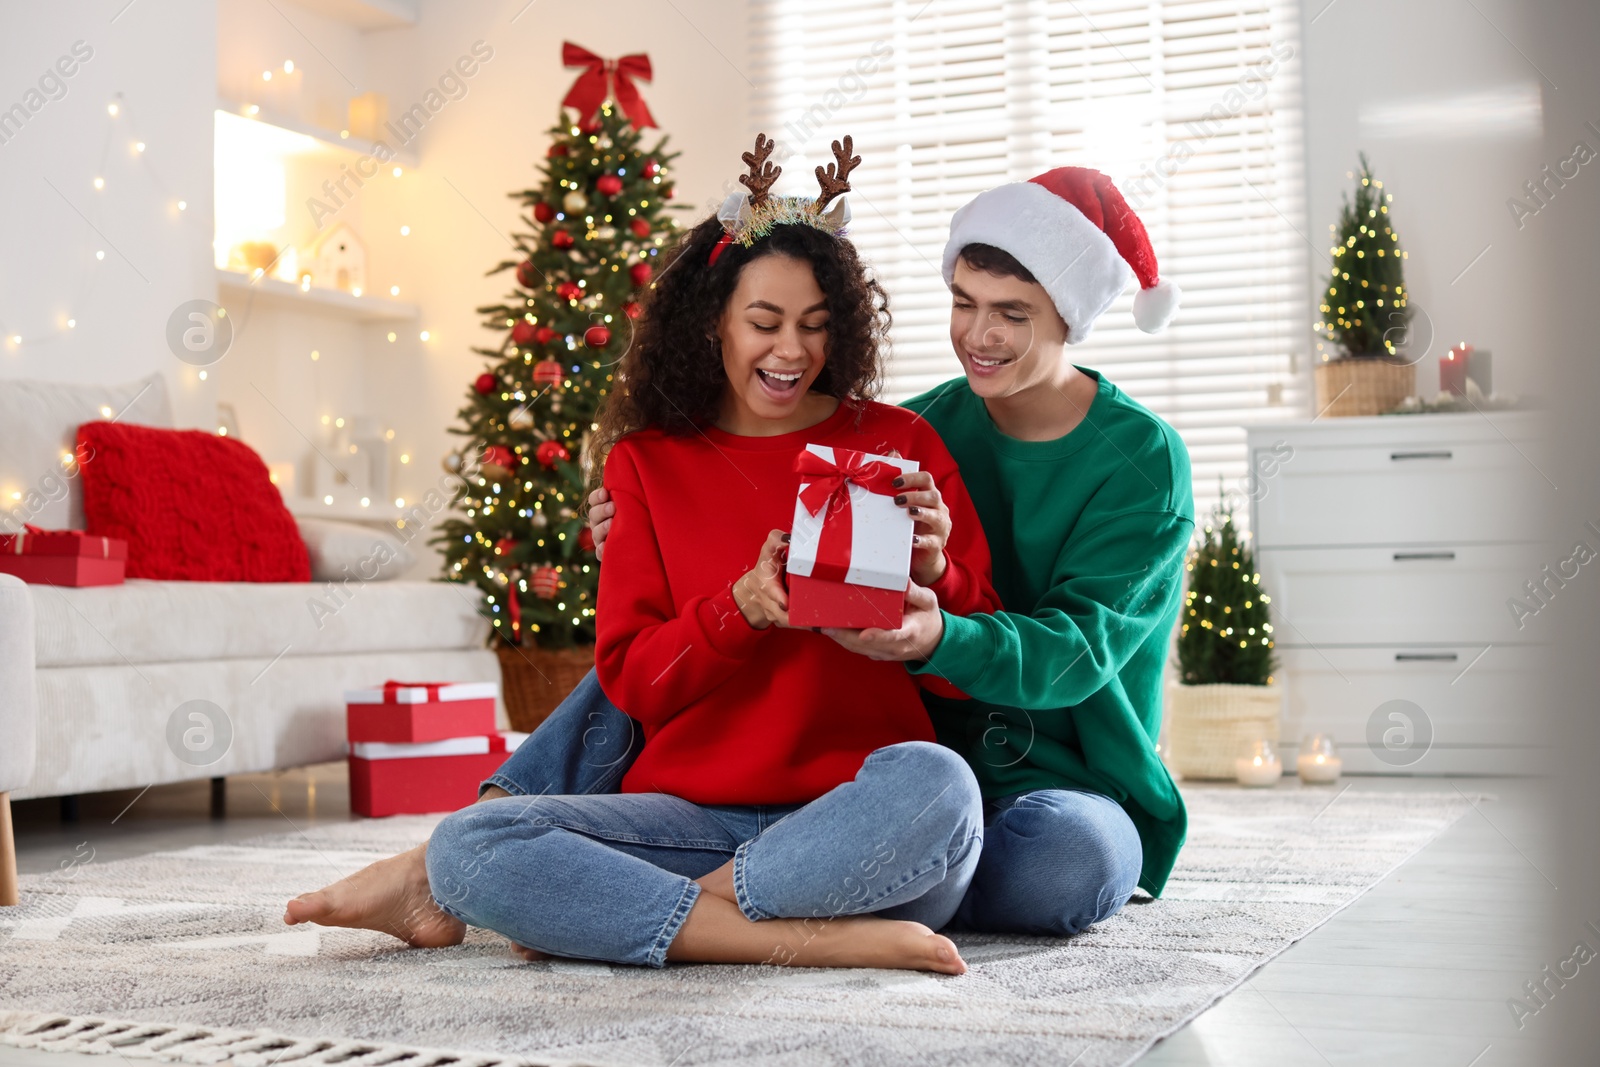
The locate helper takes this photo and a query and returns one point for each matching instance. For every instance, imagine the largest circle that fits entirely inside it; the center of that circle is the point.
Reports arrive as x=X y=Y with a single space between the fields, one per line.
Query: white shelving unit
x=276 y=292
x=331 y=140
x=364 y=14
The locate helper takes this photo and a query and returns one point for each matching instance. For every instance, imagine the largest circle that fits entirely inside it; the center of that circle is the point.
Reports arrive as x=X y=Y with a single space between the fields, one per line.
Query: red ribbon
x=18 y=541
x=391 y=690
x=604 y=77
x=826 y=491
x=515 y=606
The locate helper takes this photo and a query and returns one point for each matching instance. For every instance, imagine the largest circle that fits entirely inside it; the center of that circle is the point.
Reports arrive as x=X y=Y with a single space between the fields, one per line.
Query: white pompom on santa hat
x=1076 y=235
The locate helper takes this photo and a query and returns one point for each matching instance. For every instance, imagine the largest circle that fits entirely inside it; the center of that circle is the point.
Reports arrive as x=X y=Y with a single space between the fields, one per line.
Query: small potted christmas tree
x=1364 y=309
x=1225 y=697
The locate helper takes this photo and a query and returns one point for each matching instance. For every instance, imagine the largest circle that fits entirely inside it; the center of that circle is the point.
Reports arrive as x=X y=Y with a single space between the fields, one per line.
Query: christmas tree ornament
x=561 y=239
x=602 y=78
x=640 y=273
x=651 y=168
x=527 y=274
x=545 y=582
x=604 y=143
x=547 y=372
x=544 y=335
x=485 y=383
x=550 y=451
x=631 y=309
x=520 y=419
x=505 y=546
x=543 y=212
x=597 y=337
x=608 y=184
x=574 y=202
x=569 y=291
x=539 y=520
x=640 y=228
x=451 y=462
x=523 y=332
x=668 y=193
x=557 y=149
x=586 y=539
x=606 y=233
x=497 y=462
x=555 y=405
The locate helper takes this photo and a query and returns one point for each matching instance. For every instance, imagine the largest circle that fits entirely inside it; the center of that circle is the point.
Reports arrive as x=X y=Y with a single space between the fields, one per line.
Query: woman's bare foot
x=390 y=896
x=865 y=941
x=529 y=955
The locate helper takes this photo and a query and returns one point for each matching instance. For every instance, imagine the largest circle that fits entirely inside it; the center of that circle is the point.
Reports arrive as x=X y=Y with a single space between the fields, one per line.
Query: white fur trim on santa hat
x=1070 y=256
x=1154 y=307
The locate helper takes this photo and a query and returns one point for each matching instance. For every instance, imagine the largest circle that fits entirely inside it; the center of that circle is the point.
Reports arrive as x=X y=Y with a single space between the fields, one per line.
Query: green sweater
x=1088 y=533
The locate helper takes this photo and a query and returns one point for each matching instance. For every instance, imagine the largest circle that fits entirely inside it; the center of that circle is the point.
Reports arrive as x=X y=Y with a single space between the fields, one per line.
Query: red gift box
x=420 y=711
x=63 y=557
x=396 y=779
x=850 y=544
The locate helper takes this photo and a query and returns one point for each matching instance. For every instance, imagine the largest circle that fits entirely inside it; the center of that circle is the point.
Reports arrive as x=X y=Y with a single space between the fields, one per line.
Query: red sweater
x=732 y=714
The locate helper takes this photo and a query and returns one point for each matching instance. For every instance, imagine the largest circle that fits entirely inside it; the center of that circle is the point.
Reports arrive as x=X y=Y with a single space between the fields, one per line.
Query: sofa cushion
x=341 y=550
x=160 y=622
x=38 y=427
x=191 y=505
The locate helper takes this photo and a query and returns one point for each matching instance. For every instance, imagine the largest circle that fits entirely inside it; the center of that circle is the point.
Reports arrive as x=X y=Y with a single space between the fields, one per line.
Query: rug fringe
x=236 y=1048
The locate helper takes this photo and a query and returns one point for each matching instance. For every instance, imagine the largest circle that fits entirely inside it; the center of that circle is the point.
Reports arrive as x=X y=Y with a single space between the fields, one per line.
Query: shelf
x=275 y=292
x=306 y=507
x=327 y=140
x=364 y=14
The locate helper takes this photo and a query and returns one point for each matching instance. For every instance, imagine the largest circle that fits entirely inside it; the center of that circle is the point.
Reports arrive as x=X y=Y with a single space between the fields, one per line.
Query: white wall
x=1439 y=101
x=161 y=58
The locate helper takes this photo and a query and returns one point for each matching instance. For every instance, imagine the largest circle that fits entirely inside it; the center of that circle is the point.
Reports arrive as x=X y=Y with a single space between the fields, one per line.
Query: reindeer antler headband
x=748 y=218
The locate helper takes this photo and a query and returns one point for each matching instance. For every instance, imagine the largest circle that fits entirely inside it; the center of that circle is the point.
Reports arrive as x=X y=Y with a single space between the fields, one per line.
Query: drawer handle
x=1439 y=453
x=1448 y=554
x=1425 y=657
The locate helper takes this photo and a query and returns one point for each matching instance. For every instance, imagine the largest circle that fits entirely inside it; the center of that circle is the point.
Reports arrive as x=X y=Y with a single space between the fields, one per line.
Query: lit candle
x=1319 y=762
x=1259 y=766
x=1453 y=369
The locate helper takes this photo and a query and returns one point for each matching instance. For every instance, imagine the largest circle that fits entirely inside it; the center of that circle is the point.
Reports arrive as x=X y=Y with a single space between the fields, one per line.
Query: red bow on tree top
x=613 y=77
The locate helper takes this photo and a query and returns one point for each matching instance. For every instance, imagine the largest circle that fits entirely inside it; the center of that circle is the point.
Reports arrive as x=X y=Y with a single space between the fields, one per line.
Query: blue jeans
x=1054 y=861
x=612 y=876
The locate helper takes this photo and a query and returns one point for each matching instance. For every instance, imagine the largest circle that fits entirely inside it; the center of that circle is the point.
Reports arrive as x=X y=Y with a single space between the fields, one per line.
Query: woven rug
x=181 y=956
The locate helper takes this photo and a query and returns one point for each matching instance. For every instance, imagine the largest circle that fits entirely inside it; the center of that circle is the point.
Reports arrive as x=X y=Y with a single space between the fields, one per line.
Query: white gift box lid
x=454 y=746
x=880 y=532
x=417 y=694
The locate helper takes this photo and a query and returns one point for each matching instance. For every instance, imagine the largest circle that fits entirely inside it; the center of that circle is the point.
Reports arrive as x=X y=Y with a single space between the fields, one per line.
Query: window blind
x=1192 y=106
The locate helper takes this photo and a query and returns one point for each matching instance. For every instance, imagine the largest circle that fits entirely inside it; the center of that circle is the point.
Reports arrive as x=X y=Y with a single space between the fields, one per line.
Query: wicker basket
x=534 y=680
x=1363 y=385
x=1210 y=725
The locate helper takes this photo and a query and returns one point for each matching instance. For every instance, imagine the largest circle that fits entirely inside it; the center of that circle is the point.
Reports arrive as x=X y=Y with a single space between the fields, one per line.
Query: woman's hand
x=600 y=511
x=922 y=499
x=760 y=594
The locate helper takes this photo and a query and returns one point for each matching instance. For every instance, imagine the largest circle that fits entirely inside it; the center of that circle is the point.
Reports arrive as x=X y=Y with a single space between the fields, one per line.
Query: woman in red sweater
x=789 y=804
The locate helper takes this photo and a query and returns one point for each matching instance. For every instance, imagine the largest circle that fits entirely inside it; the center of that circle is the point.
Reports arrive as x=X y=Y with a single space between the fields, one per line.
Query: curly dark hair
x=672 y=377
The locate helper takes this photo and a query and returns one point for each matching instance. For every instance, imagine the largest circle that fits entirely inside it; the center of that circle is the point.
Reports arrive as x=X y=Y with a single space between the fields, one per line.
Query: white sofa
x=91 y=708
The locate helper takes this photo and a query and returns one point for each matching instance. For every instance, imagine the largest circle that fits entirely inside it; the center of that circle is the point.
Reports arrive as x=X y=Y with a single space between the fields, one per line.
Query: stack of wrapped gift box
x=420 y=747
x=63 y=557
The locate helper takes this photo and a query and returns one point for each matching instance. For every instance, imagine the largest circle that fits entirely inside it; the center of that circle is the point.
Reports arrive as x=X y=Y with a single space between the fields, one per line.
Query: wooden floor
x=1417 y=972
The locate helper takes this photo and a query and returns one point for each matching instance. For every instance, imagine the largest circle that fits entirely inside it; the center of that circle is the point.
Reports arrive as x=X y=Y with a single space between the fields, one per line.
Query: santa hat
x=1073 y=231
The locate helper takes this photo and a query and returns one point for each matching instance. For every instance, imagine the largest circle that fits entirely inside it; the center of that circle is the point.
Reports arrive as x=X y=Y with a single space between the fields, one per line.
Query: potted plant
x=1364 y=310
x=1225 y=697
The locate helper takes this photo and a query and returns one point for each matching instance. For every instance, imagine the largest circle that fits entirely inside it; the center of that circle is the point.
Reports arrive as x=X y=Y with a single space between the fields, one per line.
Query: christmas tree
x=1226 y=636
x=1364 y=305
x=595 y=224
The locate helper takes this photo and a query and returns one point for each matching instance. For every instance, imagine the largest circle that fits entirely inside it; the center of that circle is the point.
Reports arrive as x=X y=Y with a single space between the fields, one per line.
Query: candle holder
x=1319 y=762
x=1259 y=767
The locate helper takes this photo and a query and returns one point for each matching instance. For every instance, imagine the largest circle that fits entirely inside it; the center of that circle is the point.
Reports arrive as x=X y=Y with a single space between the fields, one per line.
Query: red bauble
x=640 y=228
x=543 y=212
x=640 y=273
x=597 y=337
x=505 y=546
x=631 y=309
x=498 y=461
x=545 y=582
x=485 y=383
x=523 y=331
x=569 y=291
x=651 y=168
x=586 y=539
x=550 y=451
x=666 y=194
x=562 y=239
x=544 y=335
x=527 y=276
x=547 y=372
x=608 y=184
x=557 y=149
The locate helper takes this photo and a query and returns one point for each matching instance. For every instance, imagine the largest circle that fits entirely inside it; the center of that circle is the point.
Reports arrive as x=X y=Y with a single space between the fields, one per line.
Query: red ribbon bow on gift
x=826 y=485
x=18 y=541
x=603 y=77
x=391 y=690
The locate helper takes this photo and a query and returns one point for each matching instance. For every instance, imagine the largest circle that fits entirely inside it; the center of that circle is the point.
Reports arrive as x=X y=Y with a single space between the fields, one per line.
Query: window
x=1192 y=106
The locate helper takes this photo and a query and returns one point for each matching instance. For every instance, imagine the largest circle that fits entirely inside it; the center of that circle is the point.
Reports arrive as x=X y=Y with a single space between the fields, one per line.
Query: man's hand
x=921 y=629
x=600 y=511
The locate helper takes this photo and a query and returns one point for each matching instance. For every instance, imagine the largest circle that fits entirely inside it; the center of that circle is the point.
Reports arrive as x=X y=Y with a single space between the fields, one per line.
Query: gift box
x=388 y=778
x=63 y=557
x=420 y=711
x=850 y=544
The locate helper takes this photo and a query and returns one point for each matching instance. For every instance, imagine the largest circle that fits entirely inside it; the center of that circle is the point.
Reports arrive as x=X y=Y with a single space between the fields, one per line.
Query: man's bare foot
x=390 y=896
x=865 y=941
